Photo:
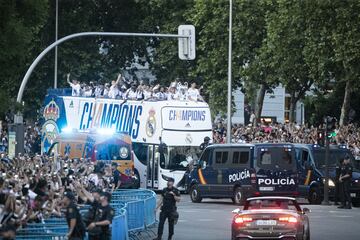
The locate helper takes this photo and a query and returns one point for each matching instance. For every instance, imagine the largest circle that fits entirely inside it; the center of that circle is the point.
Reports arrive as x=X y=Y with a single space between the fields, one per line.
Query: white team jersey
x=193 y=94
x=76 y=88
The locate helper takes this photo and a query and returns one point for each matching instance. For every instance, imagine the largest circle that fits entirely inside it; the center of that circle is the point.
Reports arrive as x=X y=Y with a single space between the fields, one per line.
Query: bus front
x=184 y=127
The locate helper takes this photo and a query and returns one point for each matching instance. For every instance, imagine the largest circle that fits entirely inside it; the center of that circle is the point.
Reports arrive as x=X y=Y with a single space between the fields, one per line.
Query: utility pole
x=56 y=38
x=228 y=132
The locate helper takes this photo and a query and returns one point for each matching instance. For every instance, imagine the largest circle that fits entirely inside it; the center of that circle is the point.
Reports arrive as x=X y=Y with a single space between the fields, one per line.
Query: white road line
x=206 y=220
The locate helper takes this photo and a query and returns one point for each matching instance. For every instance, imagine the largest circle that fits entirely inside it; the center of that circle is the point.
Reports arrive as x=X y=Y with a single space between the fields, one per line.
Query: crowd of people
x=33 y=189
x=348 y=135
x=122 y=88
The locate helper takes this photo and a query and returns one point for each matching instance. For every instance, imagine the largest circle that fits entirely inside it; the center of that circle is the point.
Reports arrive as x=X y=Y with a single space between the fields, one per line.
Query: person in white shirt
x=193 y=93
x=106 y=90
x=114 y=90
x=172 y=95
x=99 y=89
x=131 y=93
x=75 y=85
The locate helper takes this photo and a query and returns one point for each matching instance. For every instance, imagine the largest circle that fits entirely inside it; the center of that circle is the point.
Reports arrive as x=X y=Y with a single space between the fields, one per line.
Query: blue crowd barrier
x=134 y=212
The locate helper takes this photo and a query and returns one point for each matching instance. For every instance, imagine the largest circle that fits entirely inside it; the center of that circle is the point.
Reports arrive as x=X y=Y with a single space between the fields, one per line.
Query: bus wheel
x=137 y=183
x=238 y=197
x=195 y=194
x=314 y=196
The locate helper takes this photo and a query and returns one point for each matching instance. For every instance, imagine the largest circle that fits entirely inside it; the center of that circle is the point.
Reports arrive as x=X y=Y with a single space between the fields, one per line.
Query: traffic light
x=330 y=123
x=320 y=138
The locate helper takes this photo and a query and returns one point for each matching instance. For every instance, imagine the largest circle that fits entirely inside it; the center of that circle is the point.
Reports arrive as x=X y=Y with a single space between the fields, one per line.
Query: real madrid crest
x=50 y=130
x=151 y=123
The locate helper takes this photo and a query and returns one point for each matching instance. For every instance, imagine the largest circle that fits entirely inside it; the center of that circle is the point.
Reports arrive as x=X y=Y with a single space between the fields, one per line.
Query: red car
x=271 y=218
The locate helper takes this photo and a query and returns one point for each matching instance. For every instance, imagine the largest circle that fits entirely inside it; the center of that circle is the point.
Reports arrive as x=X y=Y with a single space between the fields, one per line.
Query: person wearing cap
x=205 y=143
x=169 y=197
x=73 y=218
x=345 y=179
x=99 y=229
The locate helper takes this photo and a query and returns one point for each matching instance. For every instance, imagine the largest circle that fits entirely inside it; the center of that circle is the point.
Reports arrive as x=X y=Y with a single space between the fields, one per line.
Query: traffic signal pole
x=326 y=184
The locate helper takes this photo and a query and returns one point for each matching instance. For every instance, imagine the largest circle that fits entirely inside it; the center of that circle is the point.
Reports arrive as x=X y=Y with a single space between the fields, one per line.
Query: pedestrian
x=73 y=218
x=99 y=229
x=169 y=197
x=338 y=185
x=116 y=176
x=345 y=179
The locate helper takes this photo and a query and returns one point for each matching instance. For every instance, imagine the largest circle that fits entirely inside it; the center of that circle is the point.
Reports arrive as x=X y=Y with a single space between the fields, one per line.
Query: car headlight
x=331 y=182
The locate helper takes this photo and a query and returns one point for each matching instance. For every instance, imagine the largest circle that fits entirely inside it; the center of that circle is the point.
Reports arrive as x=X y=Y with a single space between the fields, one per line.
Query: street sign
x=187 y=45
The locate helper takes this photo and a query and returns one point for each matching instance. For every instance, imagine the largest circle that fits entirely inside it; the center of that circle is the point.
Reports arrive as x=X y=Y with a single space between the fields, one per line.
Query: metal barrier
x=134 y=212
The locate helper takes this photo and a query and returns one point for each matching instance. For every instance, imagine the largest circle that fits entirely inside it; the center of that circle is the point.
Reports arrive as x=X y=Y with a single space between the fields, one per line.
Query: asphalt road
x=211 y=219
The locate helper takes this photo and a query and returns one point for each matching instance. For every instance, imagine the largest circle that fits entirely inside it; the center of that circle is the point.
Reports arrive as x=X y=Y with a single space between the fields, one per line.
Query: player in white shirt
x=131 y=93
x=75 y=85
x=193 y=93
x=114 y=90
x=172 y=95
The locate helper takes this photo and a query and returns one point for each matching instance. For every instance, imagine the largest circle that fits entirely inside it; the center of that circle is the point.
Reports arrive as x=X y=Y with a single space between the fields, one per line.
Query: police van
x=238 y=171
x=311 y=170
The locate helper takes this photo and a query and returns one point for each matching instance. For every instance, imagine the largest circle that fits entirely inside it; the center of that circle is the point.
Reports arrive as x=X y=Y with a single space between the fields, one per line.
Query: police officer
x=73 y=218
x=338 y=184
x=205 y=143
x=99 y=229
x=345 y=179
x=169 y=196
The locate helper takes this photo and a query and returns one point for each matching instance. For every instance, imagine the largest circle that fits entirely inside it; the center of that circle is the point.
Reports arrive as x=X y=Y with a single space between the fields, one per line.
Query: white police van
x=238 y=171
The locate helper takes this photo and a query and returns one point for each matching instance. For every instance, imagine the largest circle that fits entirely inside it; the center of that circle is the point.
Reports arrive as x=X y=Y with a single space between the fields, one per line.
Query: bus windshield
x=334 y=158
x=179 y=157
x=275 y=157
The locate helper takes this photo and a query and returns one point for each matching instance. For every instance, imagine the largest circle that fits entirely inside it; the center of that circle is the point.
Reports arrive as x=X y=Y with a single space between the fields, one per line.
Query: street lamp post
x=228 y=132
x=56 y=38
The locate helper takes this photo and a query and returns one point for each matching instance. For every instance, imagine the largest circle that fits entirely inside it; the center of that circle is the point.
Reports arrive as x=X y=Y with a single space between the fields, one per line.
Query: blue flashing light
x=342 y=146
x=316 y=145
x=67 y=130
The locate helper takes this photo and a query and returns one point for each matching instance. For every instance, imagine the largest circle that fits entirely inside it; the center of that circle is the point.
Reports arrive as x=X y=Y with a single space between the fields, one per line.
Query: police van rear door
x=275 y=166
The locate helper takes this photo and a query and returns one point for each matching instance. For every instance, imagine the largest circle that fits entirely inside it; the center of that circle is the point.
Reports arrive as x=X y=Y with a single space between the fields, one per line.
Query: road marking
x=206 y=220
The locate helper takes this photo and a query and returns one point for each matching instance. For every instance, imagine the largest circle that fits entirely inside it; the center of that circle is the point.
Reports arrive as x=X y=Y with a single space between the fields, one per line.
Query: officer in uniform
x=169 y=196
x=99 y=229
x=205 y=143
x=338 y=184
x=345 y=179
x=73 y=218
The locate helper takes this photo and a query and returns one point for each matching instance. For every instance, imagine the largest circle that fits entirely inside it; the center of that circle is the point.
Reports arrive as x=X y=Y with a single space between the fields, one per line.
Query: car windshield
x=112 y=152
x=179 y=157
x=275 y=157
x=284 y=204
x=334 y=158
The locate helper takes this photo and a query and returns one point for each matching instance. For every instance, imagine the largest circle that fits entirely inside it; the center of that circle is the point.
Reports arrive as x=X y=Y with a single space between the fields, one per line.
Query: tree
x=20 y=22
x=286 y=42
x=332 y=42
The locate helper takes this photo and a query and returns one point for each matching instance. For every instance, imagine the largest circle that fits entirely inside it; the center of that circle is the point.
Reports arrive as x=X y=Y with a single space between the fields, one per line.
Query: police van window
x=221 y=157
x=141 y=152
x=335 y=156
x=278 y=157
x=240 y=157
x=304 y=157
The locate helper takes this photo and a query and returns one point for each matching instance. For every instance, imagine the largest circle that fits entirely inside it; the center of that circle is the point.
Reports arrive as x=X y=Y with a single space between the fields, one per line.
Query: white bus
x=180 y=126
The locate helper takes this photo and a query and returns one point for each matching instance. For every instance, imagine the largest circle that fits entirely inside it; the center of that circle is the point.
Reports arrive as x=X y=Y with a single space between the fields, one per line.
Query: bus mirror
x=203 y=164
